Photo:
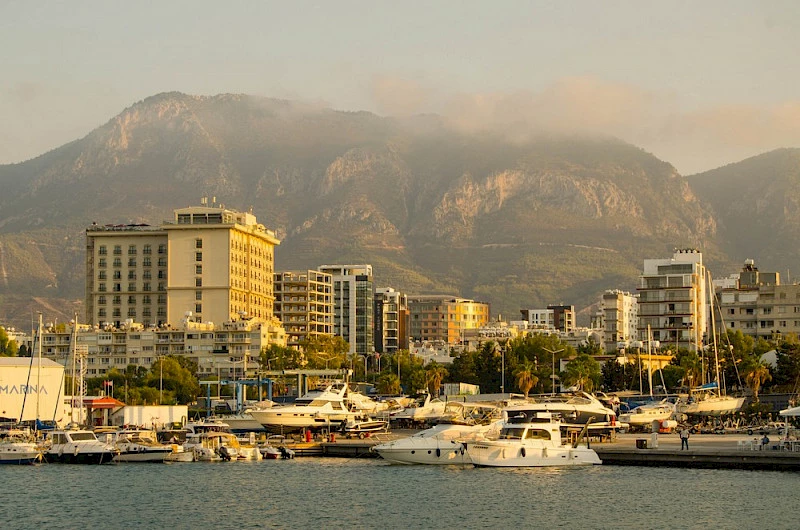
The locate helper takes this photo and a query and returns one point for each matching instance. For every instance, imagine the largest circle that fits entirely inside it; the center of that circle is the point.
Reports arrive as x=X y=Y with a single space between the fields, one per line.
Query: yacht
x=643 y=416
x=530 y=439
x=577 y=410
x=77 y=446
x=442 y=444
x=18 y=447
x=244 y=421
x=139 y=445
x=316 y=410
x=223 y=446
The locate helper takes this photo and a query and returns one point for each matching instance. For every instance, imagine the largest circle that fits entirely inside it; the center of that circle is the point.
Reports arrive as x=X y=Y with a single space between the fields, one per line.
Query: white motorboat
x=576 y=410
x=139 y=445
x=442 y=444
x=362 y=426
x=244 y=421
x=18 y=447
x=530 y=439
x=421 y=409
x=269 y=451
x=643 y=416
x=77 y=446
x=321 y=410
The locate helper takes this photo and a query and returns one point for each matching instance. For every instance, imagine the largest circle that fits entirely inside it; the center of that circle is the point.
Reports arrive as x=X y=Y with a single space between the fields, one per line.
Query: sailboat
x=708 y=400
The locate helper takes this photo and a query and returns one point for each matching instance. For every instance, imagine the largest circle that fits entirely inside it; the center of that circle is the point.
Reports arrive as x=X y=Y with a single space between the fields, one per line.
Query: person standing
x=684 y=434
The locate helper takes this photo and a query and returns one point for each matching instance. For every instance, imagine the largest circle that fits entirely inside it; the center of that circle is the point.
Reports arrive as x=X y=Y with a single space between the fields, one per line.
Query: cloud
x=692 y=140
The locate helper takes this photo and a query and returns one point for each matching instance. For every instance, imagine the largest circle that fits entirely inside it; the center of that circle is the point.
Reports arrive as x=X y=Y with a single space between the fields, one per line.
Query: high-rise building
x=391 y=320
x=304 y=304
x=619 y=319
x=209 y=263
x=554 y=318
x=673 y=299
x=353 y=298
x=444 y=318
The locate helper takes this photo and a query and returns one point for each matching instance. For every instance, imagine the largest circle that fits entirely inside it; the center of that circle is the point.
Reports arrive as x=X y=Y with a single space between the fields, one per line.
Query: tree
x=388 y=383
x=434 y=374
x=526 y=377
x=583 y=372
x=8 y=347
x=756 y=373
x=177 y=381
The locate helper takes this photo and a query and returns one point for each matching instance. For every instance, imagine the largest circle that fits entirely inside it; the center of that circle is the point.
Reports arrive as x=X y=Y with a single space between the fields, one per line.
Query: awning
x=103 y=403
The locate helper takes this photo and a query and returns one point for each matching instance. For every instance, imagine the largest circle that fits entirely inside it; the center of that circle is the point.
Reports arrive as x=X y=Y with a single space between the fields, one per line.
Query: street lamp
x=553 y=353
x=502 y=367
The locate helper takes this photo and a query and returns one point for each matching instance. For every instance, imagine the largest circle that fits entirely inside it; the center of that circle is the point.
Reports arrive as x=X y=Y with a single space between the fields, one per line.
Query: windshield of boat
x=82 y=436
x=512 y=433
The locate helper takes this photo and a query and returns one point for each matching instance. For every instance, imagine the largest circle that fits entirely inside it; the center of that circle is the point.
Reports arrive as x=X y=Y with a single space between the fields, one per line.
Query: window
x=146 y=287
x=147 y=275
x=131 y=275
x=101 y=312
x=101 y=300
x=131 y=262
x=131 y=300
x=101 y=287
x=147 y=249
x=117 y=288
x=102 y=263
x=146 y=299
x=117 y=313
x=102 y=251
x=162 y=275
x=117 y=262
x=198 y=295
x=131 y=312
x=198 y=308
x=132 y=286
x=101 y=275
x=198 y=282
x=116 y=300
x=117 y=250
x=131 y=250
x=162 y=286
x=162 y=262
x=162 y=248
x=117 y=275
x=162 y=299
x=146 y=312
x=147 y=262
x=198 y=256
x=198 y=269
x=198 y=243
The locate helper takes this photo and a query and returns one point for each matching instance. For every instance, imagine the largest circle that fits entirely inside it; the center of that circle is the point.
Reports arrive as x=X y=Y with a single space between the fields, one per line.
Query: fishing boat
x=530 y=439
x=77 y=446
x=18 y=447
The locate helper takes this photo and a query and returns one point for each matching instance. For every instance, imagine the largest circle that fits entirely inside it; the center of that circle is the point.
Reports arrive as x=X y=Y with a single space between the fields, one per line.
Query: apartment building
x=553 y=318
x=209 y=262
x=391 y=320
x=673 y=299
x=444 y=318
x=353 y=300
x=304 y=304
x=619 y=315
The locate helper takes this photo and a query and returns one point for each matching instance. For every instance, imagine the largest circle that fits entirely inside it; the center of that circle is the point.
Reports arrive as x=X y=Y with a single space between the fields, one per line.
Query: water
x=368 y=493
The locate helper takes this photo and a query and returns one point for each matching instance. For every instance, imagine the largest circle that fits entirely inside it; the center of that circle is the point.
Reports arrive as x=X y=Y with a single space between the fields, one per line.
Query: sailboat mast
x=714 y=332
x=649 y=362
x=73 y=349
x=39 y=370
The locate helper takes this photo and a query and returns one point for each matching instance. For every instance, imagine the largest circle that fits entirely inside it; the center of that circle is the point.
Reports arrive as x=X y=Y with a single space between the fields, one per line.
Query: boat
x=18 y=447
x=323 y=409
x=223 y=446
x=77 y=446
x=442 y=444
x=422 y=408
x=269 y=451
x=244 y=420
x=363 y=426
x=530 y=439
x=644 y=415
x=139 y=445
x=708 y=400
x=576 y=410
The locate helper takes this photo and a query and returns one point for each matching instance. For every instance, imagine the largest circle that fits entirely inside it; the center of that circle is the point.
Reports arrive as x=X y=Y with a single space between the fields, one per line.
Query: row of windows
x=117 y=313
x=117 y=287
x=146 y=249
x=146 y=300
x=146 y=262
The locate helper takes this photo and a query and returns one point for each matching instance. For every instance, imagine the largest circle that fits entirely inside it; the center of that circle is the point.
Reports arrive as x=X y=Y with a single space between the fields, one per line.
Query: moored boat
x=441 y=445
x=139 y=445
x=530 y=439
x=18 y=447
x=77 y=446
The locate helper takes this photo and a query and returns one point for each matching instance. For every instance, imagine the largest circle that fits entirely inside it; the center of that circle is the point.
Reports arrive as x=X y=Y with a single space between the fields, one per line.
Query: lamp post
x=553 y=353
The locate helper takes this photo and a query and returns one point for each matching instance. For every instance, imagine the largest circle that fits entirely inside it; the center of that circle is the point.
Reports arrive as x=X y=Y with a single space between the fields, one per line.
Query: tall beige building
x=673 y=299
x=209 y=263
x=304 y=304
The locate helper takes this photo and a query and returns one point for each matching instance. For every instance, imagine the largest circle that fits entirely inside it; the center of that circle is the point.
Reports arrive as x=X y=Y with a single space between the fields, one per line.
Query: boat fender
x=438 y=452
x=522 y=452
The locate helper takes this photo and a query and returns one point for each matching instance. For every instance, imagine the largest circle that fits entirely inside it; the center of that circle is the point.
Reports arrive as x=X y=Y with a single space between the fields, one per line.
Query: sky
x=698 y=84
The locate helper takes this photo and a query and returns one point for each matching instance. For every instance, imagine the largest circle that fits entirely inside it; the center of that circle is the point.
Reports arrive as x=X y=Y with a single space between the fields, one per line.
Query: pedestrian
x=684 y=434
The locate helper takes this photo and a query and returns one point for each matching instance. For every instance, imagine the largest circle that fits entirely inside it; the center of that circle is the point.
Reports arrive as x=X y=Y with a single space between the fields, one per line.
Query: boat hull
x=445 y=455
x=714 y=406
x=515 y=455
x=92 y=458
x=149 y=456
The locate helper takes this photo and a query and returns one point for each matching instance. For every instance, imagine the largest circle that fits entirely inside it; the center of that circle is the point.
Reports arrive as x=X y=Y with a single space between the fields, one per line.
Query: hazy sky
x=699 y=84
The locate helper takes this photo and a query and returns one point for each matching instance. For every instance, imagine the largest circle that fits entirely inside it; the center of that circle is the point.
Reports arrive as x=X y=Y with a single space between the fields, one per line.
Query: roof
x=106 y=402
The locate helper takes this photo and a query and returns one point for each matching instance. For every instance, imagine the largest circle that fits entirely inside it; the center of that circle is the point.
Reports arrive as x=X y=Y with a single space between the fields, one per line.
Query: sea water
x=368 y=493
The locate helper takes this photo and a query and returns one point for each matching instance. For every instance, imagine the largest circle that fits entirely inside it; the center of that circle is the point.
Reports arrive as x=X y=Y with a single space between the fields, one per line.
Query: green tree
x=756 y=372
x=434 y=375
x=583 y=372
x=526 y=377
x=177 y=381
x=388 y=383
x=8 y=347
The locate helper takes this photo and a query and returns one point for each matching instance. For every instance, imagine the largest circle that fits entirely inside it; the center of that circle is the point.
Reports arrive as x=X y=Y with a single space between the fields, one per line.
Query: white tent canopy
x=794 y=411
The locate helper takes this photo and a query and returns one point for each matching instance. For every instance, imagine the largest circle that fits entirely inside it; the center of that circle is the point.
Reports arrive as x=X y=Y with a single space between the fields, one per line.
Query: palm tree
x=756 y=373
x=434 y=375
x=526 y=377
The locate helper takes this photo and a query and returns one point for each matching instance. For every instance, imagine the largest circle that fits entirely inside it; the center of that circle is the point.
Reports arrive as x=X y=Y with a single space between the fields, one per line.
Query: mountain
x=757 y=206
x=514 y=223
